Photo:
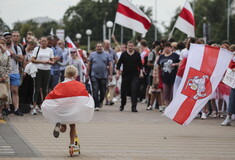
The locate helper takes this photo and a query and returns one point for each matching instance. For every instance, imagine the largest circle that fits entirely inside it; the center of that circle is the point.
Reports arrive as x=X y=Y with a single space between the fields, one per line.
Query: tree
x=90 y=14
x=212 y=12
x=39 y=30
x=3 y=27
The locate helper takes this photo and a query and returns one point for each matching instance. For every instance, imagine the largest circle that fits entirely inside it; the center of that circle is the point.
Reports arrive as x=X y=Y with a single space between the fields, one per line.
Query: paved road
x=114 y=135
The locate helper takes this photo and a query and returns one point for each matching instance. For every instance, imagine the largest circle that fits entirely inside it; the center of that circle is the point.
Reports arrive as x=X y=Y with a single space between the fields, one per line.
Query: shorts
x=113 y=82
x=15 y=79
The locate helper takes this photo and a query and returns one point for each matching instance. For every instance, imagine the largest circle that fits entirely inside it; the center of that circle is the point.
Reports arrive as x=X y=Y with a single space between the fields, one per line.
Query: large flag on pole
x=204 y=70
x=128 y=15
x=185 y=22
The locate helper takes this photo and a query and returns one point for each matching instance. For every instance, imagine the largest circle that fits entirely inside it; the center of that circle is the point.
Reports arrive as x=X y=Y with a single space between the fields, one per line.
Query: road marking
x=2 y=121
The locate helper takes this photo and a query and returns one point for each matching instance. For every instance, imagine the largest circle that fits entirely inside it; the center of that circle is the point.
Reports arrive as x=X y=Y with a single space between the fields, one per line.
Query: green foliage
x=39 y=30
x=3 y=26
x=90 y=14
x=215 y=12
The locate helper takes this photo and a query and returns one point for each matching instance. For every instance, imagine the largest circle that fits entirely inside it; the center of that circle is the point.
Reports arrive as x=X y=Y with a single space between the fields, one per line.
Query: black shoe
x=121 y=108
x=111 y=103
x=18 y=113
x=6 y=112
x=134 y=110
x=56 y=131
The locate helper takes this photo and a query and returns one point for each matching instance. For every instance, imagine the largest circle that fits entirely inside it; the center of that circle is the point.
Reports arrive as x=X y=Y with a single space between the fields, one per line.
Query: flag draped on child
x=128 y=15
x=185 y=22
x=68 y=103
x=204 y=70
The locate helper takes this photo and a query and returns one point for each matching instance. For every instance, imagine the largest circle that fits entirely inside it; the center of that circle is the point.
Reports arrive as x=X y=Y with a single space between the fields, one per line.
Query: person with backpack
x=16 y=57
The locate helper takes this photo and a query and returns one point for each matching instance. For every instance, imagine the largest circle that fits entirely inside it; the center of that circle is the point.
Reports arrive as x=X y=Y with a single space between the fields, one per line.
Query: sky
x=19 y=10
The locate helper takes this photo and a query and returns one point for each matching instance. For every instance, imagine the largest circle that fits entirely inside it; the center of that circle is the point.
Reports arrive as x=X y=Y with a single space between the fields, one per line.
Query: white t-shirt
x=14 y=63
x=43 y=55
x=184 y=53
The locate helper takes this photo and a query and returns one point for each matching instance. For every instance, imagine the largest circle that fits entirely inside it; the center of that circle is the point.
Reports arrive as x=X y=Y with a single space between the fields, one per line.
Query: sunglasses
x=7 y=37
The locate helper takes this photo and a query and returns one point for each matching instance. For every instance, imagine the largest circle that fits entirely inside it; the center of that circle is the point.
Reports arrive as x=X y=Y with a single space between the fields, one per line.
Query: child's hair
x=71 y=72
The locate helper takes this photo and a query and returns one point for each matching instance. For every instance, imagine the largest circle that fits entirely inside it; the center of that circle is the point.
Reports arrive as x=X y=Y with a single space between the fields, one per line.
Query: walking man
x=16 y=57
x=99 y=63
x=132 y=71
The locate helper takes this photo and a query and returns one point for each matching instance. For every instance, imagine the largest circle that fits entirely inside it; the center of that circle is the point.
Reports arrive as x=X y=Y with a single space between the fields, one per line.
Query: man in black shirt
x=132 y=71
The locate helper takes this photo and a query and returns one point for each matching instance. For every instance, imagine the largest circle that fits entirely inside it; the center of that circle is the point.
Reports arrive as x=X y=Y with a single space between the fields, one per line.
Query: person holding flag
x=231 y=105
x=75 y=61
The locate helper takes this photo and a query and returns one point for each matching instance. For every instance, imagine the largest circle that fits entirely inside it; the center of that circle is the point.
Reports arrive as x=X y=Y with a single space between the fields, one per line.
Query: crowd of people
x=149 y=76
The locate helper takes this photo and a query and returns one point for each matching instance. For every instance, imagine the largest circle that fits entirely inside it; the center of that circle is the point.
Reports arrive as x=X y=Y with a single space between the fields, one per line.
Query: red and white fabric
x=71 y=45
x=204 y=70
x=68 y=103
x=128 y=15
x=185 y=21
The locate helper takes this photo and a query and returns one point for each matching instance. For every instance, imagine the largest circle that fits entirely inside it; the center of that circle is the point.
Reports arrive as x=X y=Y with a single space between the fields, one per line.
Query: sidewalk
x=115 y=135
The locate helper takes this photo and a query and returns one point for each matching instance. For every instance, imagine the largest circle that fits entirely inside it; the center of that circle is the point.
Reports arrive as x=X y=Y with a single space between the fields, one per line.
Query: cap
x=73 y=50
x=6 y=34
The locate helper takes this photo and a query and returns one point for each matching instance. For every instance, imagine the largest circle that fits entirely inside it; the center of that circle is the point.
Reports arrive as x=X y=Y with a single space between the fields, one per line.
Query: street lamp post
x=78 y=36
x=88 y=33
x=109 y=24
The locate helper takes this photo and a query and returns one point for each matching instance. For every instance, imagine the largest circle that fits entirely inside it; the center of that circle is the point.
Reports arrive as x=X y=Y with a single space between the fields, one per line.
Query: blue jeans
x=98 y=86
x=231 y=105
x=55 y=78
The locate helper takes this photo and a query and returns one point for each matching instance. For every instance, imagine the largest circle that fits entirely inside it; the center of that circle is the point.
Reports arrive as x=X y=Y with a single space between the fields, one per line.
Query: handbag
x=3 y=91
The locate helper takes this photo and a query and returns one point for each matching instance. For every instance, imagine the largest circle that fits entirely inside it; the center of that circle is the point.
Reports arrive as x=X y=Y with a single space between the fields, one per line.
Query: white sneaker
x=34 y=111
x=56 y=131
x=161 y=108
x=115 y=99
x=233 y=117
x=226 y=122
x=214 y=114
x=149 y=107
x=97 y=109
x=203 y=116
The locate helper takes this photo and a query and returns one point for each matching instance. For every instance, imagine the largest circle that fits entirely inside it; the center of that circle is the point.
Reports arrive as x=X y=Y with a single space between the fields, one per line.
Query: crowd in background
x=110 y=73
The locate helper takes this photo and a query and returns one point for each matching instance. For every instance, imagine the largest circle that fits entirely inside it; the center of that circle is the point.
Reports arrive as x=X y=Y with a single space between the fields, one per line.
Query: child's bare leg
x=72 y=133
x=63 y=128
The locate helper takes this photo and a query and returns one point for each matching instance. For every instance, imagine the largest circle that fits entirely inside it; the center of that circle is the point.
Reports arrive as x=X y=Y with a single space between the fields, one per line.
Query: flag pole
x=113 y=28
x=171 y=33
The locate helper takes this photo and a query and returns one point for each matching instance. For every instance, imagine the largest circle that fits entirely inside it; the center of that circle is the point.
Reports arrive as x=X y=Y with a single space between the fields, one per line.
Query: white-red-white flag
x=204 y=70
x=128 y=15
x=69 y=102
x=185 y=21
x=70 y=43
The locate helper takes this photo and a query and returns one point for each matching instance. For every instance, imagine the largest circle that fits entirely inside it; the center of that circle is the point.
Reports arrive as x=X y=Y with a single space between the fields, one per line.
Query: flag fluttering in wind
x=204 y=70
x=70 y=42
x=128 y=15
x=186 y=22
x=51 y=33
